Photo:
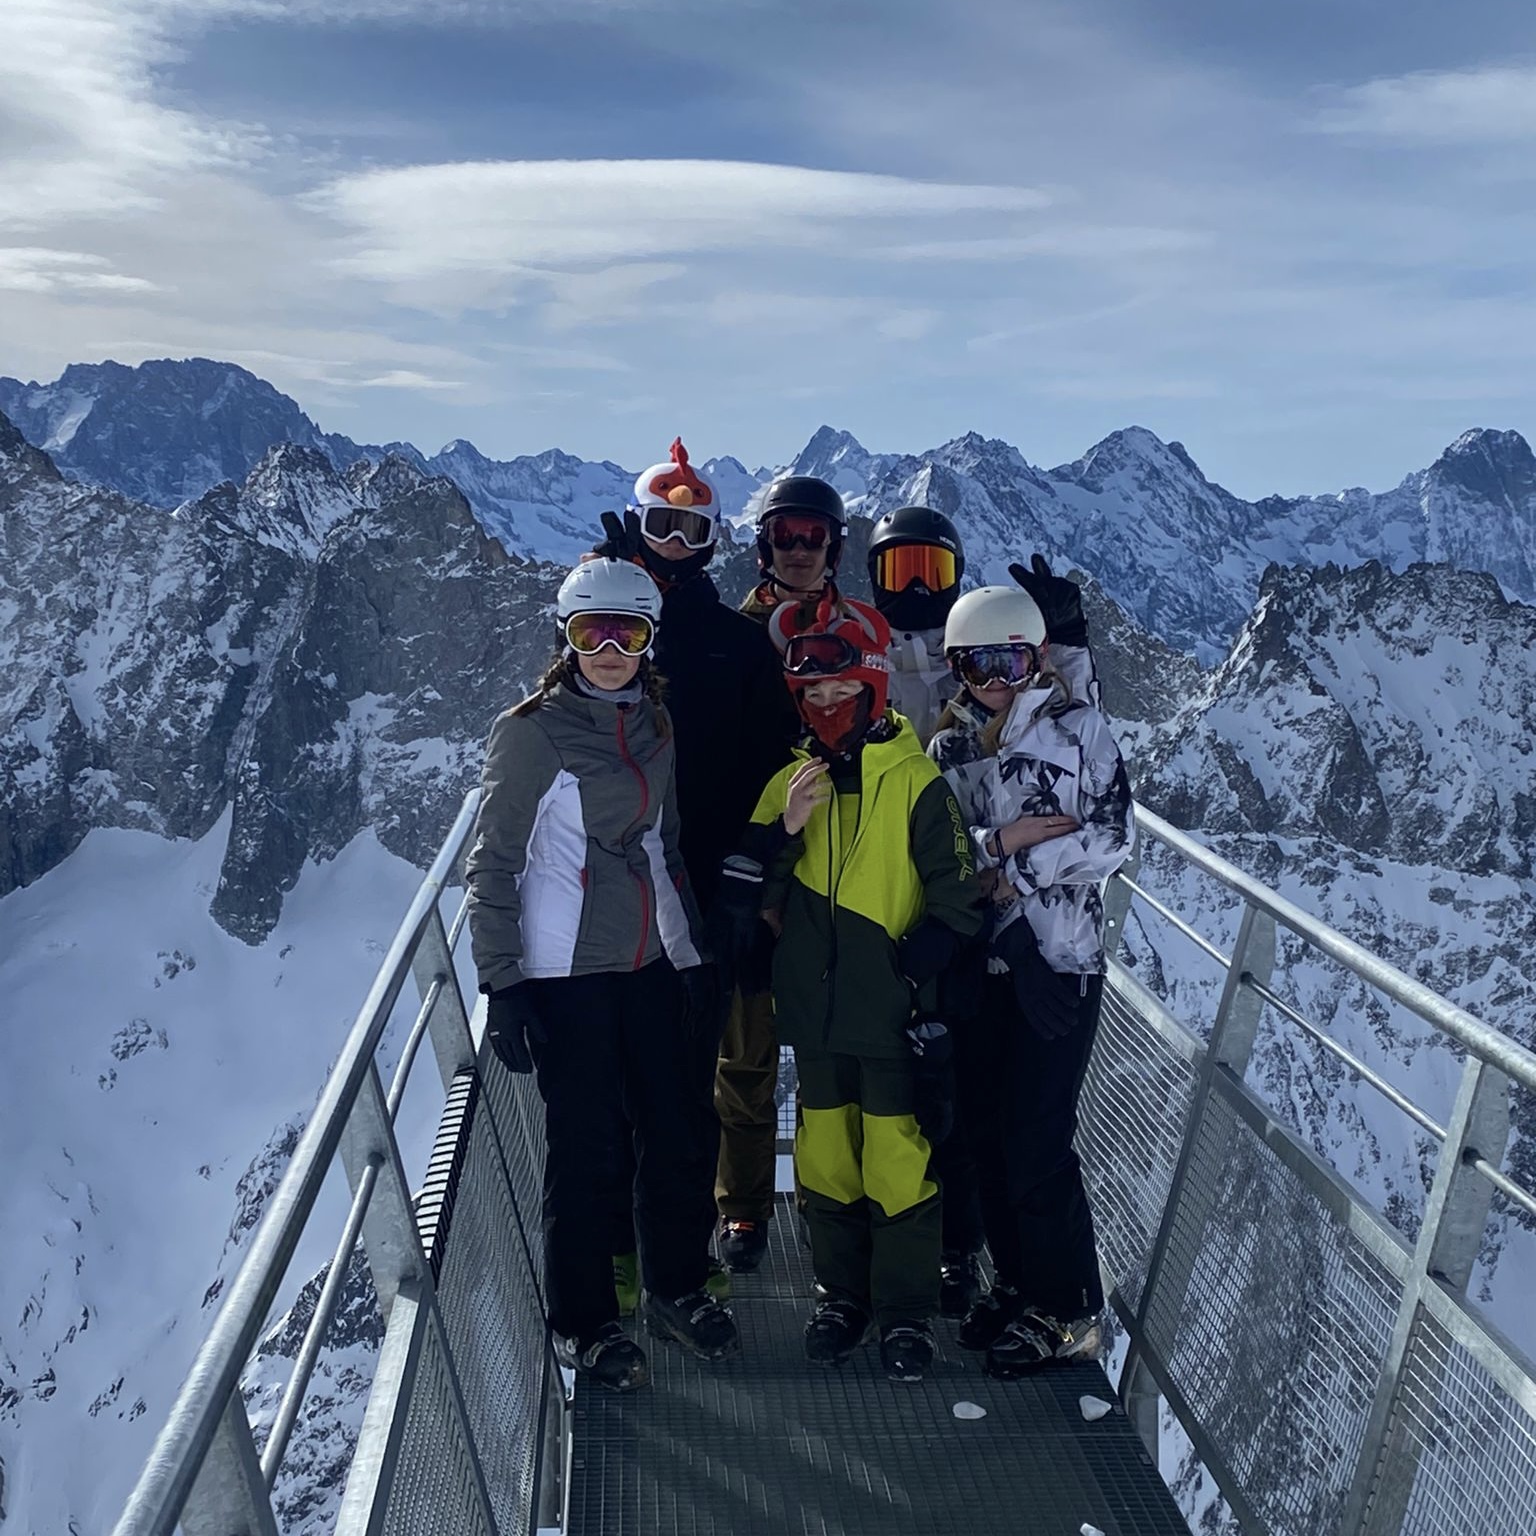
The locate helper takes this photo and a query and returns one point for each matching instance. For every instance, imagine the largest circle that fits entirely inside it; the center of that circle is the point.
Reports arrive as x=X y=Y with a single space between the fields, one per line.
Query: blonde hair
x=991 y=734
x=562 y=668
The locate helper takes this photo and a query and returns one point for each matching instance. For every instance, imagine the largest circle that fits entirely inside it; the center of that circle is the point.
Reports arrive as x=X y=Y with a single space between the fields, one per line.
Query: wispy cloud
x=36 y=269
x=1491 y=105
x=517 y=216
x=1080 y=241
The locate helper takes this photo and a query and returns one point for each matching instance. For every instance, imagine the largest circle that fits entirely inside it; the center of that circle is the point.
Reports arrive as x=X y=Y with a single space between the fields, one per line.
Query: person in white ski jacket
x=1041 y=780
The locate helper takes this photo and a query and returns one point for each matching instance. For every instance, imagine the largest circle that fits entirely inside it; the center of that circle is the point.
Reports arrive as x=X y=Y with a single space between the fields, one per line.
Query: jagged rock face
x=1366 y=706
x=163 y=432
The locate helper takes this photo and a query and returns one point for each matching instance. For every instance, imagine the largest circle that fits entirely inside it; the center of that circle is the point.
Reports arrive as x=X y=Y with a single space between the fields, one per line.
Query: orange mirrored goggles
x=897 y=566
x=629 y=633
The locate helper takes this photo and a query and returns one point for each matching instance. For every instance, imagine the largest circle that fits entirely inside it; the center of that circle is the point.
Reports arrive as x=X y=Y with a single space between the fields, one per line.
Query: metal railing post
x=1450 y=1238
x=390 y=1238
x=230 y=1495
x=449 y=1021
x=1192 y=1192
x=1117 y=901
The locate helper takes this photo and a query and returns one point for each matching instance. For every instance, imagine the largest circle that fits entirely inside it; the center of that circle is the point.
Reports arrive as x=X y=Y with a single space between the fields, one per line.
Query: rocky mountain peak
x=832 y=455
x=18 y=456
x=1133 y=451
x=1497 y=466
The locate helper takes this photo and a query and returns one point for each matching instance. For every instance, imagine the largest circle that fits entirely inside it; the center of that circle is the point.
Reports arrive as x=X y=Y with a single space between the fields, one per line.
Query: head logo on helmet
x=679 y=516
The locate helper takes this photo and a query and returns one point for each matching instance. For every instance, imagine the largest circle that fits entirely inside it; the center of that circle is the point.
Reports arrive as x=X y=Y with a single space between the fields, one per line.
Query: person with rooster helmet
x=1041 y=782
x=916 y=562
x=735 y=726
x=589 y=947
x=858 y=855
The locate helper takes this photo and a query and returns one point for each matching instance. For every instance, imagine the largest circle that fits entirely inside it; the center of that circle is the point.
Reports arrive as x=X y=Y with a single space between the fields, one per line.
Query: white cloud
x=1472 y=106
x=37 y=269
x=1076 y=241
x=407 y=378
x=512 y=216
x=80 y=131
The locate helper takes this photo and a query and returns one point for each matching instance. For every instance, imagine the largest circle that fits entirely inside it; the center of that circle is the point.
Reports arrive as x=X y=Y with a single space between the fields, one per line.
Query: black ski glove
x=734 y=921
x=1049 y=1000
x=926 y=950
x=511 y=1021
x=1060 y=601
x=933 y=1061
x=624 y=540
x=702 y=1017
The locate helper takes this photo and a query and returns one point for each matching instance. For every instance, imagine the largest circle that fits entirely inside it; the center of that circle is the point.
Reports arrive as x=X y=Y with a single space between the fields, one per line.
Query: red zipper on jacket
x=645 y=805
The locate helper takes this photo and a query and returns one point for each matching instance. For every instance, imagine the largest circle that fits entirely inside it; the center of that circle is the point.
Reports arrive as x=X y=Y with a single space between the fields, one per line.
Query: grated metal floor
x=770 y=1444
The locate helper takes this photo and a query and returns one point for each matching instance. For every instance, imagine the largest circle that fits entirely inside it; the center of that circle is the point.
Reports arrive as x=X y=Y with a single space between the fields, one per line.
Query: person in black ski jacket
x=736 y=725
x=590 y=950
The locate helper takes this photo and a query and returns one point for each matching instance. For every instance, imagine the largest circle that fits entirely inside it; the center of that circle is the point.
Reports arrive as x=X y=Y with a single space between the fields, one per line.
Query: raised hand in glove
x=1050 y=1001
x=701 y=1001
x=1060 y=601
x=511 y=1021
x=624 y=540
x=933 y=1062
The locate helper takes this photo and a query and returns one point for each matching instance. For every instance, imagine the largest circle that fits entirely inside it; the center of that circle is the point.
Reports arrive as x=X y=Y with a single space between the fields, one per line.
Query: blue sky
x=1297 y=238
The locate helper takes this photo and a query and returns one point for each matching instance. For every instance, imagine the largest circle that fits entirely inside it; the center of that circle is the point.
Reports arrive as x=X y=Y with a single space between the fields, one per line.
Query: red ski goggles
x=898 y=566
x=982 y=665
x=824 y=655
x=784 y=530
x=695 y=529
x=630 y=634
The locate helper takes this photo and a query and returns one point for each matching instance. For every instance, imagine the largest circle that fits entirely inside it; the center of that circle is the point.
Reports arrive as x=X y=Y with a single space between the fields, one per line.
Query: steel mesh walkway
x=769 y=1444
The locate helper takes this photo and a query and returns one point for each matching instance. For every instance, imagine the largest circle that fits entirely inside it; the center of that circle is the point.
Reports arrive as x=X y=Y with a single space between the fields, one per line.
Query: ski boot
x=696 y=1321
x=906 y=1350
x=1034 y=1339
x=959 y=1284
x=743 y=1244
x=626 y=1282
x=835 y=1330
x=718 y=1281
x=608 y=1358
x=987 y=1319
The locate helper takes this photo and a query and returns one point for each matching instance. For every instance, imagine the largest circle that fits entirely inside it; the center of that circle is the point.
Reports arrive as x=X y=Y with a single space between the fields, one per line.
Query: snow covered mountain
x=1365 y=749
x=226 y=728
x=1182 y=555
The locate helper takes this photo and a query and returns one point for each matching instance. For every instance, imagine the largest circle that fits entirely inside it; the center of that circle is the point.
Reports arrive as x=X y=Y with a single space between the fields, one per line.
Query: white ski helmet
x=608 y=586
x=994 y=616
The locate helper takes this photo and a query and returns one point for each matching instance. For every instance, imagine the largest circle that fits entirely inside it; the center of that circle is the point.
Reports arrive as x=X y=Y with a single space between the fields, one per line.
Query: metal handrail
x=156 y=1502
x=1482 y=1040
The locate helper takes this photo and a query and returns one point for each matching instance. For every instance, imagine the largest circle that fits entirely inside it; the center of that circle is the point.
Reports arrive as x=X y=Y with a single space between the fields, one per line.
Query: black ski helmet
x=917 y=606
x=809 y=496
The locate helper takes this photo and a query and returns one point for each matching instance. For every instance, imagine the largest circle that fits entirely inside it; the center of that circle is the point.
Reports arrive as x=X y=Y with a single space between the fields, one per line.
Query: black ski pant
x=1018 y=1100
x=622 y=1079
x=954 y=1166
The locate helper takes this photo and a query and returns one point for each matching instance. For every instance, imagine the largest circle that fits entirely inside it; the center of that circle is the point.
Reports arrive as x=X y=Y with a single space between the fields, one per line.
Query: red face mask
x=842 y=726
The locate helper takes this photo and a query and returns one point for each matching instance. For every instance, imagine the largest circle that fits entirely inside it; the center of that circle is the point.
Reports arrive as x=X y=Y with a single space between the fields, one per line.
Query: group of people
x=877 y=833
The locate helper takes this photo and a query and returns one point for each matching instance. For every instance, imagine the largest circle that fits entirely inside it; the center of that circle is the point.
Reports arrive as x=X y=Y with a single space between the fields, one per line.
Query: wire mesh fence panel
x=488 y=1297
x=1134 y=1109
x=1461 y=1452
x=1273 y=1320
x=433 y=1487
